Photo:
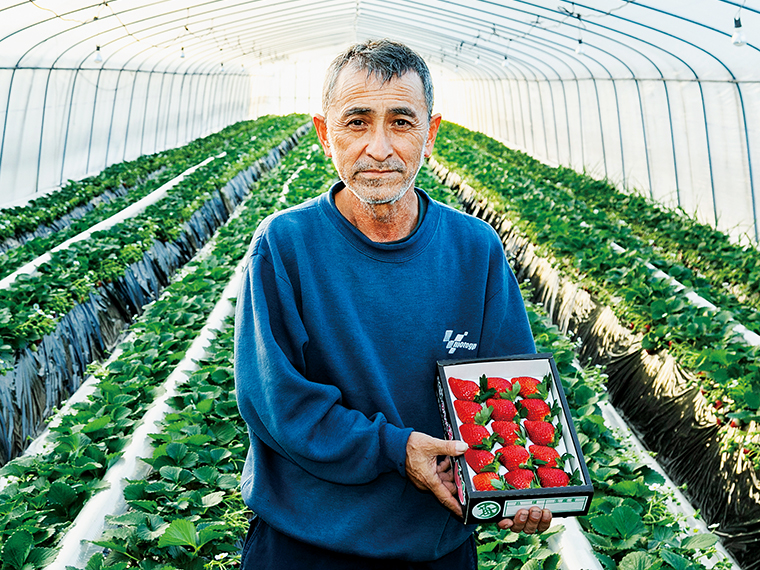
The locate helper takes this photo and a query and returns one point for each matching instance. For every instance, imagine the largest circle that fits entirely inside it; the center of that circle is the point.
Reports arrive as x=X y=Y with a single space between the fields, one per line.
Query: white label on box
x=554 y=504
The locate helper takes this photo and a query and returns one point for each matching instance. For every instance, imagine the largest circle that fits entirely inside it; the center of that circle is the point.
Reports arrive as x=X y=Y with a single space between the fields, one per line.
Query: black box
x=489 y=506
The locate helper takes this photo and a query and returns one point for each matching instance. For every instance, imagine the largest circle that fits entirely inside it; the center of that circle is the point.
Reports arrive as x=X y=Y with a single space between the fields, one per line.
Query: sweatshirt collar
x=395 y=251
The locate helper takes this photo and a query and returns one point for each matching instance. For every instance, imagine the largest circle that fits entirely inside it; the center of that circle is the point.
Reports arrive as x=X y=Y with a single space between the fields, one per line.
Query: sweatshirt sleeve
x=506 y=329
x=301 y=419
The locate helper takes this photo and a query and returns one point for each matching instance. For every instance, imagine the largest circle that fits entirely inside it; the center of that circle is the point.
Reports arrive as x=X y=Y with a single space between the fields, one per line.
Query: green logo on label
x=485 y=510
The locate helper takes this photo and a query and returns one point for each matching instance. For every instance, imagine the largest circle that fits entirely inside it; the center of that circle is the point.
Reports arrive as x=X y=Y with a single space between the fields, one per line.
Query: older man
x=346 y=304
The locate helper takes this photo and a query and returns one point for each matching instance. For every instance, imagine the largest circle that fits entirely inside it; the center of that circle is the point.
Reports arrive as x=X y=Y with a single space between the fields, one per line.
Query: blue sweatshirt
x=336 y=343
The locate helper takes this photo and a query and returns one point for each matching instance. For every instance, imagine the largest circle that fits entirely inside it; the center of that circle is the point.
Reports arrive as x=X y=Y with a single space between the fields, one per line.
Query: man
x=340 y=322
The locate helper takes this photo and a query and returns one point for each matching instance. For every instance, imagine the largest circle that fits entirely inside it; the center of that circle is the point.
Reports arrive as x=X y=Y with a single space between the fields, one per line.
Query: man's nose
x=379 y=146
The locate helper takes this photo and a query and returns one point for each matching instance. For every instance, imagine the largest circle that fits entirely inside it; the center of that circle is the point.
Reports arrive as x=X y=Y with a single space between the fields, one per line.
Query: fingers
x=529 y=522
x=426 y=473
x=446 y=497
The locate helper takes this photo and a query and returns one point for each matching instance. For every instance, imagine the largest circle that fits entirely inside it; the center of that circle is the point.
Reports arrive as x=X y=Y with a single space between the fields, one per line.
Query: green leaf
x=674 y=560
x=604 y=525
x=62 y=494
x=41 y=557
x=699 y=541
x=628 y=522
x=153 y=527
x=17 y=548
x=213 y=499
x=639 y=561
x=96 y=424
x=181 y=532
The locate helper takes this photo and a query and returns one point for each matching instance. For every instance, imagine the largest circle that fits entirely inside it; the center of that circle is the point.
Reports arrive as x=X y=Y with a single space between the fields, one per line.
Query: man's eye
x=402 y=123
x=356 y=123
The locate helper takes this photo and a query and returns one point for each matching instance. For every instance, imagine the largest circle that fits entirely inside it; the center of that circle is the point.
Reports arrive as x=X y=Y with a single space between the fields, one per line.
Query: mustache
x=391 y=165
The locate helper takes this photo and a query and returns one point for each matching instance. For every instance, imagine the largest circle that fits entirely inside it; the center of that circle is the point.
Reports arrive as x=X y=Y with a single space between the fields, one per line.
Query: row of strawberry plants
x=32 y=305
x=189 y=513
x=123 y=184
x=46 y=491
x=702 y=340
x=203 y=444
x=629 y=524
x=139 y=176
x=678 y=243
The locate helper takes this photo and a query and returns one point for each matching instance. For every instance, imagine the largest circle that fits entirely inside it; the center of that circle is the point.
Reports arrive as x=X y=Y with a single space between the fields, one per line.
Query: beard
x=376 y=191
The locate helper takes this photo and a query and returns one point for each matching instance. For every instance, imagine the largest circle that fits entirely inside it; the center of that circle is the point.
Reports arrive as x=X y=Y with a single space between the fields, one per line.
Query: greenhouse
x=609 y=148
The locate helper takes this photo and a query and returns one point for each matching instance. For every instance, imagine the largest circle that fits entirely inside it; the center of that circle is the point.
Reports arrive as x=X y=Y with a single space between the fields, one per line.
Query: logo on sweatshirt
x=458 y=341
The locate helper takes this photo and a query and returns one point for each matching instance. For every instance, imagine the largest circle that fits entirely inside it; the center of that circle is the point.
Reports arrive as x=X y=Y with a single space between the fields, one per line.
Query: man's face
x=377 y=133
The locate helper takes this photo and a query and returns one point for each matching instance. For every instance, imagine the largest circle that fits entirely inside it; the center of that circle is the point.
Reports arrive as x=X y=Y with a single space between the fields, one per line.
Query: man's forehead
x=353 y=85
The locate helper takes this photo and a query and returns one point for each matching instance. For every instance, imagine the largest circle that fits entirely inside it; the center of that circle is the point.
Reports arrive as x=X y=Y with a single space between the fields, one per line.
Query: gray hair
x=385 y=59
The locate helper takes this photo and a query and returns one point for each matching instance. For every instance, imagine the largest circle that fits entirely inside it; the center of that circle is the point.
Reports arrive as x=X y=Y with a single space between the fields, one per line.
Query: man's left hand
x=529 y=522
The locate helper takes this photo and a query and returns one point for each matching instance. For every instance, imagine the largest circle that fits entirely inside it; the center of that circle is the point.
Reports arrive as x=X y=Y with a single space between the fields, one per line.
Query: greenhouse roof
x=634 y=39
x=657 y=96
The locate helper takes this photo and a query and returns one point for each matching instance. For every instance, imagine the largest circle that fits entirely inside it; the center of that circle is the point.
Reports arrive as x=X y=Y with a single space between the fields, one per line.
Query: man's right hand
x=427 y=474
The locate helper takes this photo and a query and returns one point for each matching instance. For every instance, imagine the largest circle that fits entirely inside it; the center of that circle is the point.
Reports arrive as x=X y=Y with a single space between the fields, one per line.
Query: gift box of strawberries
x=524 y=450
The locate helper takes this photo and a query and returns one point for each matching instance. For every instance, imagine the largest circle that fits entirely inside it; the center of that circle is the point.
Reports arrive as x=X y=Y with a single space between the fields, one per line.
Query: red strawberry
x=474 y=434
x=481 y=460
x=464 y=389
x=527 y=385
x=509 y=431
x=503 y=410
x=513 y=456
x=519 y=478
x=544 y=453
x=501 y=385
x=551 y=477
x=535 y=410
x=540 y=433
x=467 y=410
x=484 y=481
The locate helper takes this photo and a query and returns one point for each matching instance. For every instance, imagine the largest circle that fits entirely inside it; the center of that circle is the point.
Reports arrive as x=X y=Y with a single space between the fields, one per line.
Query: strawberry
x=481 y=460
x=534 y=409
x=540 y=433
x=548 y=455
x=467 y=410
x=503 y=410
x=485 y=481
x=508 y=431
x=474 y=434
x=551 y=477
x=519 y=478
x=464 y=389
x=499 y=385
x=527 y=385
x=513 y=456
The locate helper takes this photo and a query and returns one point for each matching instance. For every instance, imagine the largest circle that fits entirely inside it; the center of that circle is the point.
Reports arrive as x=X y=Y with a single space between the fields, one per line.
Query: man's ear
x=320 y=124
x=435 y=123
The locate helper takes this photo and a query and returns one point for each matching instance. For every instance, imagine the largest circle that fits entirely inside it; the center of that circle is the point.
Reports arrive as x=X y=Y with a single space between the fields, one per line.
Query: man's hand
x=428 y=474
x=423 y=469
x=529 y=522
